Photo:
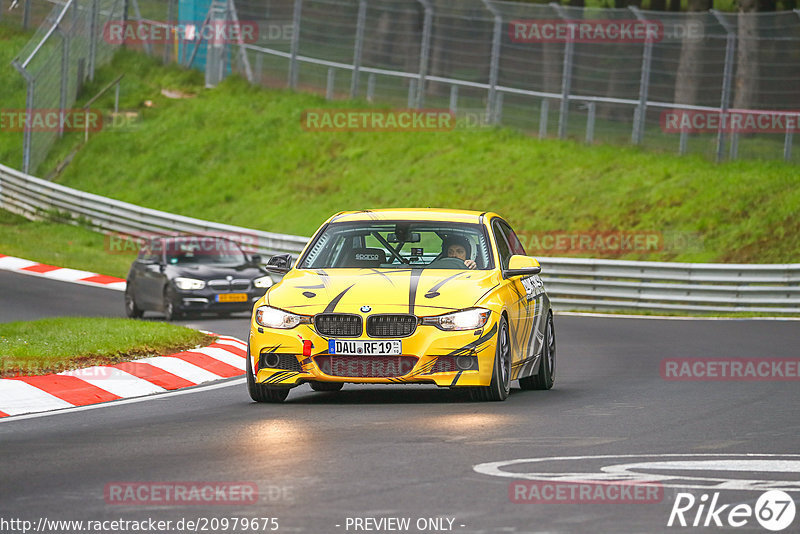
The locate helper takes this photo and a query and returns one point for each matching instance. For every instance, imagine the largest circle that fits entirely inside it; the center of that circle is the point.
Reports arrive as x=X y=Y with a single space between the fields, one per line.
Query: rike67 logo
x=774 y=510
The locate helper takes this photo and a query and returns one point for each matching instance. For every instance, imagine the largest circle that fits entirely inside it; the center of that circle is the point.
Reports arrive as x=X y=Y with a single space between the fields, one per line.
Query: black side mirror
x=280 y=263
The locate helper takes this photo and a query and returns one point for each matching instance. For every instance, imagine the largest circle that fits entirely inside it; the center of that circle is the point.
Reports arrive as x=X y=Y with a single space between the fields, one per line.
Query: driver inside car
x=458 y=247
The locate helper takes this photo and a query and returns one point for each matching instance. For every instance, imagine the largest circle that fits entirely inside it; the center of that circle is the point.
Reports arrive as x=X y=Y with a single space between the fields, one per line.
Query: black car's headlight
x=461 y=320
x=189 y=283
x=270 y=317
x=263 y=282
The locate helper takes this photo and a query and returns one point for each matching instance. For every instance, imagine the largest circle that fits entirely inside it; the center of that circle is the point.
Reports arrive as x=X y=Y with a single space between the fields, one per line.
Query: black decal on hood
x=335 y=301
x=434 y=291
x=412 y=288
x=309 y=294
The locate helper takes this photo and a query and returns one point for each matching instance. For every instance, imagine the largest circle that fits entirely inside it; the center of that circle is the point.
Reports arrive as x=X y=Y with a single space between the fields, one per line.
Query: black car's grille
x=391 y=325
x=239 y=284
x=287 y=362
x=338 y=324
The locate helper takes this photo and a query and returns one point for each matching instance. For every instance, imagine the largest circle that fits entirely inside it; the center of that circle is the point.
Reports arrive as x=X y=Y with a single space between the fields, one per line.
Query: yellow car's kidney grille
x=338 y=324
x=391 y=325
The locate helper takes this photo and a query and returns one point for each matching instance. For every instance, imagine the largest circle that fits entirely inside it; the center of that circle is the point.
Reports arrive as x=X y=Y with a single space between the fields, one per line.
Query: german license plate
x=389 y=347
x=232 y=297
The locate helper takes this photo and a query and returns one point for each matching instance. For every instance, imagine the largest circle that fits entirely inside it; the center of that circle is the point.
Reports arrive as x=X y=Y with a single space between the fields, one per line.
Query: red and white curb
x=19 y=265
x=224 y=358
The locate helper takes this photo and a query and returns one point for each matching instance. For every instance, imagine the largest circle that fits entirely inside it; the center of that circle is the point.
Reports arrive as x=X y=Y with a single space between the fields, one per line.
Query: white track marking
x=20 y=397
x=224 y=356
x=176 y=366
x=116 y=381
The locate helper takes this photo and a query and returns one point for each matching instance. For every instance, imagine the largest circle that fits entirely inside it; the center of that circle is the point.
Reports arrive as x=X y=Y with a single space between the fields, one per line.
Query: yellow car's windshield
x=397 y=245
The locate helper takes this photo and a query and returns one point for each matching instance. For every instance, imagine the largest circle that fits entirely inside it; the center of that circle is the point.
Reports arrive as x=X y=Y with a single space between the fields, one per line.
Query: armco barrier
x=572 y=283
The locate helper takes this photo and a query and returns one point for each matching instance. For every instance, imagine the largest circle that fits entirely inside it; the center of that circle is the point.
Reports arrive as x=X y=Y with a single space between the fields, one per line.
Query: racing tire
x=168 y=306
x=500 y=386
x=131 y=309
x=326 y=386
x=546 y=375
x=260 y=392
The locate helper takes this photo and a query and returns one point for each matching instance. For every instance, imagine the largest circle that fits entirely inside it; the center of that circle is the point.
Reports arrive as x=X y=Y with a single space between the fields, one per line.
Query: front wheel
x=168 y=305
x=546 y=376
x=500 y=385
x=131 y=309
x=260 y=392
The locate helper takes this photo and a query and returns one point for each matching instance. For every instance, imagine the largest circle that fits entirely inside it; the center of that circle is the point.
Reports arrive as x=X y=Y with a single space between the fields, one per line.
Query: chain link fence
x=64 y=52
x=478 y=58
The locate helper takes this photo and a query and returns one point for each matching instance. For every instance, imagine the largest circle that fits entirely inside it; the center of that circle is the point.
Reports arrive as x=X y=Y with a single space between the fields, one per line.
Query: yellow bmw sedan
x=400 y=296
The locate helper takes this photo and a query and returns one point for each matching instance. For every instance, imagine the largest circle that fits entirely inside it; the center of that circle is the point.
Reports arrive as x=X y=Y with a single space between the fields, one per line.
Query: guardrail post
x=298 y=10
x=424 y=52
x=543 y=112
x=412 y=92
x=494 y=66
x=359 y=46
x=644 y=83
x=683 y=143
x=566 y=75
x=787 y=141
x=330 y=82
x=590 y=123
x=727 y=78
x=93 y=38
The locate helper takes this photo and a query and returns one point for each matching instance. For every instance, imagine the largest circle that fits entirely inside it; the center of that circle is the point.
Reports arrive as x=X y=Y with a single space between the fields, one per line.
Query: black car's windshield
x=397 y=245
x=187 y=250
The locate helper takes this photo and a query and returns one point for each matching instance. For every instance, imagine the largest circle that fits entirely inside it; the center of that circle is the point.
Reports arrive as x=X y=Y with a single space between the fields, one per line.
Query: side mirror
x=520 y=265
x=255 y=259
x=280 y=263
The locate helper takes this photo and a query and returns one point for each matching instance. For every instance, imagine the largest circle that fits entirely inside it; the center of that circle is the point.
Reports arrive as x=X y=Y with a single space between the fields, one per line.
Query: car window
x=148 y=254
x=203 y=250
x=513 y=241
x=396 y=244
x=503 y=250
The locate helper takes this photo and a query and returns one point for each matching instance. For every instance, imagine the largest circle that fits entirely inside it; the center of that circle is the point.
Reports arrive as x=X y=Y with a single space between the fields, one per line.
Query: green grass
x=53 y=345
x=238 y=155
x=12 y=90
x=58 y=244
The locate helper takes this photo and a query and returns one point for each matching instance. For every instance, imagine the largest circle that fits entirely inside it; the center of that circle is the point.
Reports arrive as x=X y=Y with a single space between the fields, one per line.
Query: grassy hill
x=238 y=154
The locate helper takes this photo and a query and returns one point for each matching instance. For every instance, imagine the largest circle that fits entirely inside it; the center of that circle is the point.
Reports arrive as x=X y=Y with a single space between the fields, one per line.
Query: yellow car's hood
x=419 y=291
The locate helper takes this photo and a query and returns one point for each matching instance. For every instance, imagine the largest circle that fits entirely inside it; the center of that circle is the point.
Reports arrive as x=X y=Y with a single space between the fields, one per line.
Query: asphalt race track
x=322 y=461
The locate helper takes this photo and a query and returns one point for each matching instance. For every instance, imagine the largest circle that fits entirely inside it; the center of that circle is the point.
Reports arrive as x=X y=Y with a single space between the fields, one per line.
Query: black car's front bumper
x=215 y=301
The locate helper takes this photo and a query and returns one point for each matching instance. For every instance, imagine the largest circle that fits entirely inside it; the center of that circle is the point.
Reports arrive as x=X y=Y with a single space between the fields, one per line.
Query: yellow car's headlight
x=270 y=317
x=461 y=320
x=189 y=283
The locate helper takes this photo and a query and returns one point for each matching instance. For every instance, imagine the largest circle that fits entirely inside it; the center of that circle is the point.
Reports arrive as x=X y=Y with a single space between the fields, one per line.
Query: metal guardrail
x=572 y=283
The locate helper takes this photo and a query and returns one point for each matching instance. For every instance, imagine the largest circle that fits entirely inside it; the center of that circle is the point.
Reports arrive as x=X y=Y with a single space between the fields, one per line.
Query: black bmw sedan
x=194 y=274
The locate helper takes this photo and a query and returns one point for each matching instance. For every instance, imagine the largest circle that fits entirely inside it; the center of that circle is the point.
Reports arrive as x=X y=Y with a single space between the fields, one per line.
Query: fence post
x=644 y=82
x=494 y=66
x=453 y=98
x=62 y=105
x=424 y=51
x=371 y=87
x=543 y=112
x=787 y=141
x=566 y=74
x=359 y=46
x=26 y=136
x=26 y=15
x=148 y=46
x=727 y=79
x=93 y=39
x=329 y=86
x=412 y=92
x=590 y=123
x=298 y=10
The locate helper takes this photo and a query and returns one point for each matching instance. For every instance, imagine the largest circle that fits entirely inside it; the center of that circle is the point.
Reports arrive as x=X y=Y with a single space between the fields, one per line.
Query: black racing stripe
x=324 y=276
x=433 y=292
x=335 y=301
x=473 y=344
x=455 y=379
x=376 y=271
x=318 y=286
x=412 y=288
x=277 y=377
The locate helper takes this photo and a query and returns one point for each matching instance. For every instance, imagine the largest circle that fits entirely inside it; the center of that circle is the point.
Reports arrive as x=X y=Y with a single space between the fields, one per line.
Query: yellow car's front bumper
x=429 y=355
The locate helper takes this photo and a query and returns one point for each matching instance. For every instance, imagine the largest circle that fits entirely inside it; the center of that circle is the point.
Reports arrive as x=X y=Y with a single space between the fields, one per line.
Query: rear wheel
x=326 y=386
x=546 y=375
x=260 y=392
x=131 y=309
x=500 y=385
